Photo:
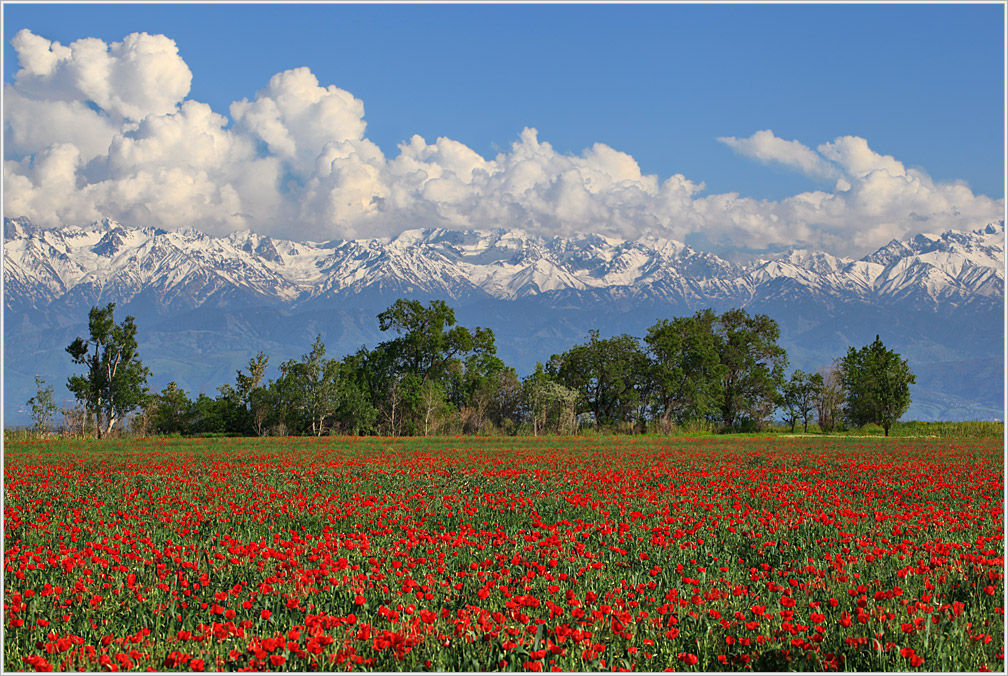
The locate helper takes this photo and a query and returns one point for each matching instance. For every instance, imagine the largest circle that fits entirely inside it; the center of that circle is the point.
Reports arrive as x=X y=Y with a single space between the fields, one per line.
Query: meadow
x=758 y=553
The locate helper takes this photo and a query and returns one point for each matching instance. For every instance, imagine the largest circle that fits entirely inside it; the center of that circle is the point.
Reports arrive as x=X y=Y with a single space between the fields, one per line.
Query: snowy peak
x=187 y=268
x=981 y=247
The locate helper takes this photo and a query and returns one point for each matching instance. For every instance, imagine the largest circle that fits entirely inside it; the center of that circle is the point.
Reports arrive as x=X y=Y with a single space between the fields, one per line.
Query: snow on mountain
x=109 y=261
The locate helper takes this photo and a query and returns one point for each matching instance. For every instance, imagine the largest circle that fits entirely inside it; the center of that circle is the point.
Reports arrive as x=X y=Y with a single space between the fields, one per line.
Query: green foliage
x=428 y=337
x=686 y=369
x=877 y=382
x=753 y=367
x=355 y=413
x=209 y=416
x=171 y=411
x=42 y=406
x=116 y=381
x=431 y=355
x=310 y=389
x=609 y=375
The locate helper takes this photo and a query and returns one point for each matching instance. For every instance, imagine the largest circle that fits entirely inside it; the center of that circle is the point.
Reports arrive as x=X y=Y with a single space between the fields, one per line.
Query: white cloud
x=96 y=130
x=857 y=159
x=296 y=117
x=31 y=125
x=766 y=147
x=141 y=75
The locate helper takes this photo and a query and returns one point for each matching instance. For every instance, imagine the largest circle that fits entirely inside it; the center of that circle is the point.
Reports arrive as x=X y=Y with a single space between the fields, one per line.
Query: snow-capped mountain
x=200 y=300
x=186 y=268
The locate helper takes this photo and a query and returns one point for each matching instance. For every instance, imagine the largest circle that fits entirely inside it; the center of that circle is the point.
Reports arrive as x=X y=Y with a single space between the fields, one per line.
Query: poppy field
x=474 y=554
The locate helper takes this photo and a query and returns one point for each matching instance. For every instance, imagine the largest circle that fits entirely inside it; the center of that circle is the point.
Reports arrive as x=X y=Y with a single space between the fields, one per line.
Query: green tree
x=430 y=347
x=43 y=406
x=252 y=394
x=116 y=380
x=609 y=375
x=428 y=337
x=211 y=416
x=686 y=369
x=753 y=366
x=355 y=413
x=877 y=382
x=171 y=411
x=308 y=390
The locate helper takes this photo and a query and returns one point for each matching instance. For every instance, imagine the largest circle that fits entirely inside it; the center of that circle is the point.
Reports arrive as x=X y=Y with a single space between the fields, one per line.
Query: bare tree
x=433 y=404
x=392 y=408
x=829 y=397
x=76 y=421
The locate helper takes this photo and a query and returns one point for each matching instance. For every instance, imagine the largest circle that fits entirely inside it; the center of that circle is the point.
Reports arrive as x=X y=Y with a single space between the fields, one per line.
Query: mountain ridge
x=504 y=264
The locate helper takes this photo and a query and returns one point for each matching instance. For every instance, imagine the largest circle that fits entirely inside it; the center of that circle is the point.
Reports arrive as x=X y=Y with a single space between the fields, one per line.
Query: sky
x=730 y=127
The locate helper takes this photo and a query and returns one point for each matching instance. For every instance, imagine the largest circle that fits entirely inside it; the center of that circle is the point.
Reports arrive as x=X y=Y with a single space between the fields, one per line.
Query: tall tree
x=548 y=404
x=116 y=380
x=877 y=382
x=686 y=369
x=430 y=347
x=753 y=366
x=355 y=412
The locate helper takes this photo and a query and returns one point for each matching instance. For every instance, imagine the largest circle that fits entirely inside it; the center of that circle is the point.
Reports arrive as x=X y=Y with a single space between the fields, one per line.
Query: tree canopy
x=877 y=381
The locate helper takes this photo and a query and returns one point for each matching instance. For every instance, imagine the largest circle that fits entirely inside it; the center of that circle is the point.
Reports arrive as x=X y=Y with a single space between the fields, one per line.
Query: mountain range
x=204 y=305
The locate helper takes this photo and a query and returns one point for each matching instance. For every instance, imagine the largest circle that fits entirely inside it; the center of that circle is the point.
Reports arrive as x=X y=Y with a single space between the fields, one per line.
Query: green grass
x=967 y=429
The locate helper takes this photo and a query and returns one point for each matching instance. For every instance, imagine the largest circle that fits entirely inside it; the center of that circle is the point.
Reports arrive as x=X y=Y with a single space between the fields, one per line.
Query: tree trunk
x=108 y=427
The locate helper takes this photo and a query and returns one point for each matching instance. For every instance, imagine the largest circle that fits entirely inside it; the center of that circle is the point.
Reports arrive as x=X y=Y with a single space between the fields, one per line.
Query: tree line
x=711 y=371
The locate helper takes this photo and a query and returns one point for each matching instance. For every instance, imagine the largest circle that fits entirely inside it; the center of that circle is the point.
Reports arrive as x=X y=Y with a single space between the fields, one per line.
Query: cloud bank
x=96 y=130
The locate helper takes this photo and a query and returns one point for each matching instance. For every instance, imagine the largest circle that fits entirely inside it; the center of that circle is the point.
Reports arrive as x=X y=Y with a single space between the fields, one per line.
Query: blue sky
x=661 y=83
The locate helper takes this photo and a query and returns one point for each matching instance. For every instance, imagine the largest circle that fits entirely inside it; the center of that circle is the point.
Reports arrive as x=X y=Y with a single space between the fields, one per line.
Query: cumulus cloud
x=98 y=130
x=141 y=75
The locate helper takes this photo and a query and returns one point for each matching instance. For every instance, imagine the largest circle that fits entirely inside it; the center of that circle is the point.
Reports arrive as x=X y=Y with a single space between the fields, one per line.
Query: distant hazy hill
x=205 y=304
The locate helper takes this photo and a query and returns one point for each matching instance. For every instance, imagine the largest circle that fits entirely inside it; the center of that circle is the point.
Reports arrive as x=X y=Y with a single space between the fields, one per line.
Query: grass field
x=610 y=553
